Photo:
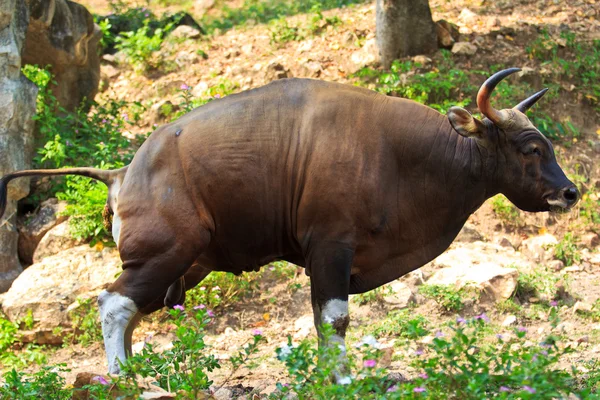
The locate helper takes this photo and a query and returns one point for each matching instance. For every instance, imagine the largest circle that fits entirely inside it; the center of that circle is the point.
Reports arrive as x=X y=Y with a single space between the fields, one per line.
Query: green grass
x=505 y=210
x=448 y=297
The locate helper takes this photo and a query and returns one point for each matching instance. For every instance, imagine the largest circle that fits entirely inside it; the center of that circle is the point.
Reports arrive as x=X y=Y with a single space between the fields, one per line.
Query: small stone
x=509 y=320
x=447 y=33
x=200 y=89
x=185 y=32
x=505 y=242
x=247 y=49
x=467 y=16
x=109 y=71
x=582 y=306
x=590 y=240
x=402 y=296
x=421 y=59
x=573 y=268
x=469 y=234
x=464 y=48
x=555 y=265
x=305 y=46
x=275 y=70
x=493 y=22
x=539 y=248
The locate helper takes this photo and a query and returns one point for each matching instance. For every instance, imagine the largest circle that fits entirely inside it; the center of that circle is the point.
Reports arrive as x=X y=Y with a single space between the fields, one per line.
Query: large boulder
x=62 y=34
x=539 y=248
x=17 y=107
x=49 y=287
x=55 y=241
x=32 y=227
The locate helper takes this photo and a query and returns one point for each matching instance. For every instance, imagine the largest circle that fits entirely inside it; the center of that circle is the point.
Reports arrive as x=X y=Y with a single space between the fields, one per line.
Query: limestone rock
x=368 y=54
x=464 y=48
x=275 y=70
x=495 y=283
x=480 y=253
x=34 y=227
x=421 y=59
x=17 y=107
x=469 y=234
x=303 y=326
x=402 y=295
x=509 y=320
x=539 y=248
x=185 y=32
x=62 y=34
x=49 y=287
x=54 y=241
x=590 y=240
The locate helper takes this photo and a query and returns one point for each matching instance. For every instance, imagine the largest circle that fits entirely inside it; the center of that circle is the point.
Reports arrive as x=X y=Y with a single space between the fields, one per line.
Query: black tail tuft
x=3 y=196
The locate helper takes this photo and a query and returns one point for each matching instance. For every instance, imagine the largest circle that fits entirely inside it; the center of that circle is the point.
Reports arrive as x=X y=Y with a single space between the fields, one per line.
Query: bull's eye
x=532 y=151
x=536 y=151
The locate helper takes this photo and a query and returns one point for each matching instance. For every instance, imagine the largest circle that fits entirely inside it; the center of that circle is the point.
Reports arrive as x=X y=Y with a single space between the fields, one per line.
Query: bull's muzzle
x=564 y=199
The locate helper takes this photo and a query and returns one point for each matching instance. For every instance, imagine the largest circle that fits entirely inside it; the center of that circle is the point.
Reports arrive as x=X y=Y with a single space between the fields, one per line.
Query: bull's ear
x=465 y=124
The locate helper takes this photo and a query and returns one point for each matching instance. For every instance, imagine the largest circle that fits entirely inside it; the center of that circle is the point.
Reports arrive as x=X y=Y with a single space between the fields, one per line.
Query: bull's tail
x=105 y=176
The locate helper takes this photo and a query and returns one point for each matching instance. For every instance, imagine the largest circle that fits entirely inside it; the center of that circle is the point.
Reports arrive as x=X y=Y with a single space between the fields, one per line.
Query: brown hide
x=274 y=172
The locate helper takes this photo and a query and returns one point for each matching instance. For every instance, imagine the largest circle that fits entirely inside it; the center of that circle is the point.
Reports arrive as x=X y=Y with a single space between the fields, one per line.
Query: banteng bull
x=356 y=187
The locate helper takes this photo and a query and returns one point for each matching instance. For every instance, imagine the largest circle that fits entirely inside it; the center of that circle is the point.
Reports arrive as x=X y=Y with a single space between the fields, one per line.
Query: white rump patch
x=118 y=314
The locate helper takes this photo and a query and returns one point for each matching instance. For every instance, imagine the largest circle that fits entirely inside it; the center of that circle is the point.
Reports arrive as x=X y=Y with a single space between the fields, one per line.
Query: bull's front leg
x=330 y=281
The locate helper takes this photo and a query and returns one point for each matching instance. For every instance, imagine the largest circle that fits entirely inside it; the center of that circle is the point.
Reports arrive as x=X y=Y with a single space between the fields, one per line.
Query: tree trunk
x=17 y=107
x=404 y=28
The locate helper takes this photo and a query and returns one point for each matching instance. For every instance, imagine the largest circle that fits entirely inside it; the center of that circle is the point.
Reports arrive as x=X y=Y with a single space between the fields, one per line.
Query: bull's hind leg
x=151 y=264
x=330 y=267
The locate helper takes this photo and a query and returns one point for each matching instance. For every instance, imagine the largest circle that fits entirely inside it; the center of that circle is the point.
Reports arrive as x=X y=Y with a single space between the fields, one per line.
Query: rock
x=447 y=34
x=185 y=32
x=402 y=295
x=33 y=227
x=223 y=394
x=49 y=287
x=367 y=55
x=573 y=268
x=305 y=46
x=495 y=283
x=530 y=76
x=200 y=89
x=539 y=248
x=467 y=17
x=62 y=33
x=274 y=70
x=493 y=22
x=555 y=265
x=509 y=320
x=590 y=240
x=421 y=59
x=109 y=71
x=303 y=326
x=311 y=69
x=480 y=253
x=469 y=234
x=464 y=49
x=247 y=49
x=185 y=58
x=17 y=108
x=505 y=242
x=582 y=306
x=54 y=241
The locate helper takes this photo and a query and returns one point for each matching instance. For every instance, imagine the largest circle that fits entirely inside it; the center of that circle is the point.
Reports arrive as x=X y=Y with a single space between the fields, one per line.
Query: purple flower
x=554 y=303
x=217 y=96
x=522 y=329
x=100 y=379
x=184 y=87
x=104 y=120
x=210 y=313
x=544 y=353
x=146 y=15
x=370 y=363
x=499 y=336
x=419 y=352
x=257 y=332
x=392 y=389
x=461 y=320
x=200 y=307
x=529 y=389
x=482 y=317
x=504 y=389
x=76 y=130
x=423 y=376
x=178 y=307
x=419 y=389
x=439 y=334
x=125 y=116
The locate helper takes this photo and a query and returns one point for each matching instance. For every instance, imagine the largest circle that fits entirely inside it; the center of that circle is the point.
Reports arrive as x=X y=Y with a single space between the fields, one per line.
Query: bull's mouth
x=559 y=206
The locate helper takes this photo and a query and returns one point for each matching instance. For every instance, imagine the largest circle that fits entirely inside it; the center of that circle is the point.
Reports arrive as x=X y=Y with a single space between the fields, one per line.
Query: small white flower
x=370 y=341
x=346 y=380
x=285 y=351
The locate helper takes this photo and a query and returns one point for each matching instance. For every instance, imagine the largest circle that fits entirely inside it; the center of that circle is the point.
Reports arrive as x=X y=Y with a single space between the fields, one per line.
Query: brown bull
x=357 y=187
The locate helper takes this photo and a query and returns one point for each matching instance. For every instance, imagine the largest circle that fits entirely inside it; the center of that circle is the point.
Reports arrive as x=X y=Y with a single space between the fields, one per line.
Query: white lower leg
x=119 y=315
x=335 y=312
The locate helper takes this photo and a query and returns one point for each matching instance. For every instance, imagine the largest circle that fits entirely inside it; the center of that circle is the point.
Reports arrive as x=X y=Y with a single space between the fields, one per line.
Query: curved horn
x=483 y=96
x=527 y=103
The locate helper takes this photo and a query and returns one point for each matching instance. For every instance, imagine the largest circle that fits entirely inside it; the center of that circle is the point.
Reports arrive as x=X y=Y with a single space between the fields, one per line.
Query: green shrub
x=537 y=282
x=447 y=296
x=85 y=321
x=403 y=323
x=505 y=210
x=566 y=250
x=139 y=46
x=83 y=138
x=45 y=384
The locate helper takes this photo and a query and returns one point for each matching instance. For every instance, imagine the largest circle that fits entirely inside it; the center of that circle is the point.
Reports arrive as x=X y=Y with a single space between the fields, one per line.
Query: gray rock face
x=17 y=107
x=33 y=227
x=54 y=241
x=63 y=34
x=48 y=288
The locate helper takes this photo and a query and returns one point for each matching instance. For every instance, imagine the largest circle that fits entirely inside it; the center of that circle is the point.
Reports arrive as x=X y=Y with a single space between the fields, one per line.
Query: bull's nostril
x=571 y=194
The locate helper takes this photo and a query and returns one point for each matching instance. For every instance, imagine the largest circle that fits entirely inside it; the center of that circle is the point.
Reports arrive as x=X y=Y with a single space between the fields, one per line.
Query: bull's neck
x=450 y=170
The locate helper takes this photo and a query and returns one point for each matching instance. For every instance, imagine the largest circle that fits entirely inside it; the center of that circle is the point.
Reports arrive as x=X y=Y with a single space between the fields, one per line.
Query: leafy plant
x=139 y=46
x=447 y=296
x=505 y=210
x=402 y=323
x=537 y=282
x=85 y=321
x=45 y=384
x=566 y=250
